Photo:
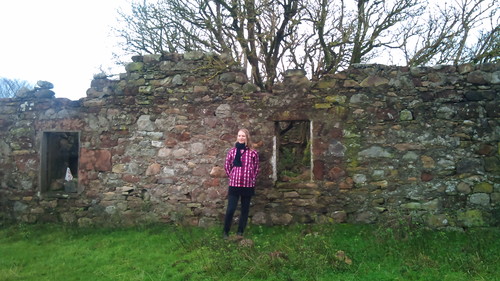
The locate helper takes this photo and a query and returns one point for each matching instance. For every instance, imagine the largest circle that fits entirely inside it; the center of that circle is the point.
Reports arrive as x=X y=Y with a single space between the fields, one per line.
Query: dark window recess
x=294 y=150
x=59 y=168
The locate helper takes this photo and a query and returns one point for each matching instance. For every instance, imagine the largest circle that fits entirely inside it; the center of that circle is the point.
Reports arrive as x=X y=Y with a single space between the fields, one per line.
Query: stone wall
x=386 y=142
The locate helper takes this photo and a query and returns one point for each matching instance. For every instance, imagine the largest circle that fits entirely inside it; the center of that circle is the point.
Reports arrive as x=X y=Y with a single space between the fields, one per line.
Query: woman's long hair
x=248 y=142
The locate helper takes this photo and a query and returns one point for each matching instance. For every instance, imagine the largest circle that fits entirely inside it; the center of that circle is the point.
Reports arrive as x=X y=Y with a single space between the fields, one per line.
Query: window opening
x=293 y=150
x=59 y=168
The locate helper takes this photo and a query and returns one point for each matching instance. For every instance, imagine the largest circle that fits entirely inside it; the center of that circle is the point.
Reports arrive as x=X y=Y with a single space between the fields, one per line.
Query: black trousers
x=231 y=208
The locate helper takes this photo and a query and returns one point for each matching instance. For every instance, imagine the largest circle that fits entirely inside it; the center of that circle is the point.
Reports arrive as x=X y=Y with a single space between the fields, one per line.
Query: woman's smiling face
x=242 y=137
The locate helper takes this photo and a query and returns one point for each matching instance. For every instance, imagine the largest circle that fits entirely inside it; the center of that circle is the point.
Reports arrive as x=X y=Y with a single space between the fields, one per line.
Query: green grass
x=300 y=252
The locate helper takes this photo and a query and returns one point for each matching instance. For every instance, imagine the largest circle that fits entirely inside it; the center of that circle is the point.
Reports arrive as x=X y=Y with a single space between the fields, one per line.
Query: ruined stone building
x=365 y=145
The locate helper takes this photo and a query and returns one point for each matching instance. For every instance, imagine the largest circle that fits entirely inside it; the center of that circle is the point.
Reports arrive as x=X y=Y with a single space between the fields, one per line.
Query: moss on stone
x=322 y=105
x=471 y=218
x=352 y=143
x=134 y=66
x=483 y=187
x=325 y=84
x=336 y=99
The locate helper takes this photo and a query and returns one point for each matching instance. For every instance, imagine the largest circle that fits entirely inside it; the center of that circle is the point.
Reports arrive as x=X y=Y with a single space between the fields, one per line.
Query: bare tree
x=487 y=49
x=346 y=33
x=375 y=21
x=9 y=87
x=327 y=42
x=320 y=36
x=253 y=31
x=446 y=37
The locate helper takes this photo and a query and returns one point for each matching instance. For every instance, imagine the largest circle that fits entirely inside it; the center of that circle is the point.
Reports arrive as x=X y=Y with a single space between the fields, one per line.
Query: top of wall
x=203 y=74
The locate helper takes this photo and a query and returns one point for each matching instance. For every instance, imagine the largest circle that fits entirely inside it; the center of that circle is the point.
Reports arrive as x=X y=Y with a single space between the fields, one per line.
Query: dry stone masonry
x=381 y=142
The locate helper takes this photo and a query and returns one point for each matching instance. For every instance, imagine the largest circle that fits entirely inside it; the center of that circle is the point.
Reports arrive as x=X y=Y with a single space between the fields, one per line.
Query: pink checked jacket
x=246 y=175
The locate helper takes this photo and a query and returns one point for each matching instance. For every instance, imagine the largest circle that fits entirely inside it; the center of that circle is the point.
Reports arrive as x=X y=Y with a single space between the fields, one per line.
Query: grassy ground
x=301 y=252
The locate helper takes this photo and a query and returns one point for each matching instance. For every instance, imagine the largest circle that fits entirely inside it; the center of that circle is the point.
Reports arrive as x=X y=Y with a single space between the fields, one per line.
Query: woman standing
x=242 y=168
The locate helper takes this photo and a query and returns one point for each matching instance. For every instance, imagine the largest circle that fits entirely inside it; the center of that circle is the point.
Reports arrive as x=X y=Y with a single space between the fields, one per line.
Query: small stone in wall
x=250 y=88
x=227 y=77
x=134 y=66
x=336 y=173
x=492 y=164
x=471 y=218
x=405 y=115
x=374 y=81
x=44 y=85
x=483 y=187
x=425 y=177
x=427 y=162
x=410 y=156
x=259 y=218
x=284 y=219
x=439 y=220
x=375 y=152
x=495 y=198
x=44 y=93
x=218 y=172
x=478 y=77
x=365 y=217
x=463 y=188
x=223 y=111
x=194 y=55
x=197 y=148
x=359 y=178
x=153 y=169
x=177 y=80
x=144 y=123
x=339 y=216
x=346 y=184
x=481 y=199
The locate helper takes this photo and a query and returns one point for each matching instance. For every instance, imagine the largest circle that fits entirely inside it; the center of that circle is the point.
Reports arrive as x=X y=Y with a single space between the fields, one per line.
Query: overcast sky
x=61 y=41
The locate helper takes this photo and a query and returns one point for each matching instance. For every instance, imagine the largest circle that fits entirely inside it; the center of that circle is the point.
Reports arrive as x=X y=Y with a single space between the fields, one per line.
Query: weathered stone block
x=44 y=93
x=495 y=198
x=492 y=164
x=99 y=160
x=438 y=220
x=134 y=66
x=405 y=115
x=281 y=219
x=153 y=169
x=151 y=58
x=471 y=218
x=218 y=172
x=464 y=188
x=374 y=81
x=469 y=165
x=351 y=84
x=366 y=217
x=482 y=199
x=478 y=77
x=483 y=187
x=337 y=99
x=223 y=111
x=326 y=84
x=194 y=55
x=375 y=152
x=259 y=218
x=291 y=194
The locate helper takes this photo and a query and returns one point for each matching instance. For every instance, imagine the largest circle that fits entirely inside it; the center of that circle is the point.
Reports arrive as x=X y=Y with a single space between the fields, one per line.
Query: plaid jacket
x=246 y=175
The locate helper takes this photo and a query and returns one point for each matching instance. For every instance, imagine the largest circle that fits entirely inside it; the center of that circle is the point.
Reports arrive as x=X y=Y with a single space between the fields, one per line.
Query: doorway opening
x=292 y=150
